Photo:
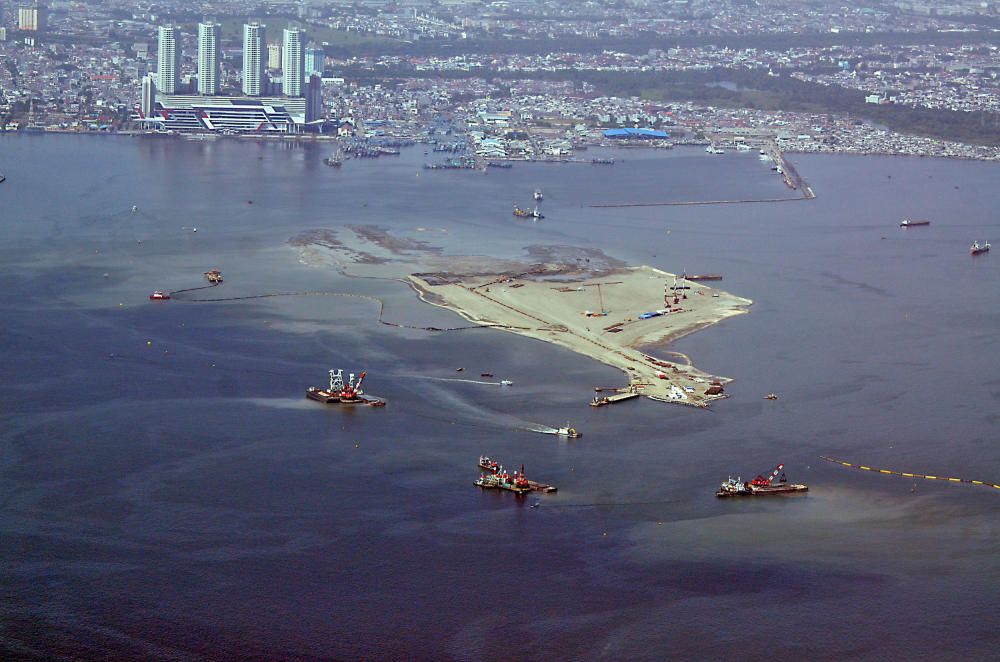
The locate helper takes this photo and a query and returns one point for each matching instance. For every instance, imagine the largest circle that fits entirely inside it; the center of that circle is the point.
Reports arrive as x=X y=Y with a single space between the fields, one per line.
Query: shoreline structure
x=598 y=315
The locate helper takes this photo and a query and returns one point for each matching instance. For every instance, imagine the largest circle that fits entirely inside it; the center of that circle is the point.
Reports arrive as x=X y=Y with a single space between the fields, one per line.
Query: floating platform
x=792 y=488
x=612 y=399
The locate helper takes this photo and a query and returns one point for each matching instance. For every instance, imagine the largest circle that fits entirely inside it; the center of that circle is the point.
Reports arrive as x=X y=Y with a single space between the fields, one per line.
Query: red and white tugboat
x=159 y=295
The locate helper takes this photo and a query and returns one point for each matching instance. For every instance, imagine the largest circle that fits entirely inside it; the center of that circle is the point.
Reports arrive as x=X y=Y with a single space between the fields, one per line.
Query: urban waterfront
x=168 y=492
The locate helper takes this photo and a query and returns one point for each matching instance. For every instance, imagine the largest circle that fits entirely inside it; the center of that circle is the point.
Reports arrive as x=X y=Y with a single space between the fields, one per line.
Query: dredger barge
x=760 y=485
x=341 y=392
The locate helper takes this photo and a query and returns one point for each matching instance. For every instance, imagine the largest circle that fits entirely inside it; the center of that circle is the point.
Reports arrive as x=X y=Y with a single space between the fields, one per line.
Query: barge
x=495 y=477
x=341 y=392
x=760 y=486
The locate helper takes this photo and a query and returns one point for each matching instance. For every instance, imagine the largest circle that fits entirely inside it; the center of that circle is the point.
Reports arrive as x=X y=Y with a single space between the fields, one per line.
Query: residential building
x=168 y=59
x=274 y=56
x=209 y=36
x=147 y=100
x=315 y=61
x=292 y=62
x=32 y=18
x=254 y=41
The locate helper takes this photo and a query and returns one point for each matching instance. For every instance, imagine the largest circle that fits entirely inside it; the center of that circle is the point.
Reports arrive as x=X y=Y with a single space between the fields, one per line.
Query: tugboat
x=568 y=432
x=487 y=464
x=213 y=276
x=159 y=295
x=977 y=248
x=538 y=195
x=760 y=485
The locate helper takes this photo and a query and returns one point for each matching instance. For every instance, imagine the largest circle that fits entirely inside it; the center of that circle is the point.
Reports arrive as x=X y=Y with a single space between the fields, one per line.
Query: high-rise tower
x=254 y=44
x=315 y=60
x=292 y=62
x=209 y=35
x=168 y=60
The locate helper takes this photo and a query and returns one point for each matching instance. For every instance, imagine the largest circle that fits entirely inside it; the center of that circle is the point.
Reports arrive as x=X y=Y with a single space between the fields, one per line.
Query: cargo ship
x=339 y=391
x=907 y=223
x=760 y=486
x=976 y=248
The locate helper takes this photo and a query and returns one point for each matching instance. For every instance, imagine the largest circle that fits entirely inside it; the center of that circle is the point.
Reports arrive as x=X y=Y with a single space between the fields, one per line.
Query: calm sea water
x=167 y=492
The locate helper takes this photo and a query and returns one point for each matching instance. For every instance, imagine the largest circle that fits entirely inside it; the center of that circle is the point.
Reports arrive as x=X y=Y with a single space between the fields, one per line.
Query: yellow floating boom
x=910 y=475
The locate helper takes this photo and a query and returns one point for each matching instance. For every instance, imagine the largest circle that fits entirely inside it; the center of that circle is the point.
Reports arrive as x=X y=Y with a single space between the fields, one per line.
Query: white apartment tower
x=209 y=36
x=254 y=45
x=168 y=60
x=292 y=62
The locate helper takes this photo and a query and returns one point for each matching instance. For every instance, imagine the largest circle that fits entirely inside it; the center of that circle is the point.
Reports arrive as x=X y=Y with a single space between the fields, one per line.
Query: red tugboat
x=760 y=485
x=159 y=295
x=342 y=392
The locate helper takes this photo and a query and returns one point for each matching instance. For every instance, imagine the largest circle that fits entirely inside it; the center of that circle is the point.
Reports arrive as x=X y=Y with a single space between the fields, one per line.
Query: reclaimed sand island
x=577 y=298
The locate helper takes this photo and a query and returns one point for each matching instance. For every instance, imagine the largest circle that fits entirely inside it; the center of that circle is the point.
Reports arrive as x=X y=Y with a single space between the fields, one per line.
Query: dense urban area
x=514 y=79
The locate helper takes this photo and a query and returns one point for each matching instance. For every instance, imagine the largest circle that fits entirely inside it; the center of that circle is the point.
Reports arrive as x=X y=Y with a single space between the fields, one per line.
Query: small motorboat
x=486 y=374
x=159 y=295
x=568 y=432
x=506 y=382
x=771 y=396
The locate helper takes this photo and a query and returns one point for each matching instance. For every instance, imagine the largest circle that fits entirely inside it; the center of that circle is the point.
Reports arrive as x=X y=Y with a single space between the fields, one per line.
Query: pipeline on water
x=907 y=474
x=381 y=306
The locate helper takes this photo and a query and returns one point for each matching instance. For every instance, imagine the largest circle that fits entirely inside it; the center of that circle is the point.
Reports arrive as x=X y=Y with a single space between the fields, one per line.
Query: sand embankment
x=558 y=308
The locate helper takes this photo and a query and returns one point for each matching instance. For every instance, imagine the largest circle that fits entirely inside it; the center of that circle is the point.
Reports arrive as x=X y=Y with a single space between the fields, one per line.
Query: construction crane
x=760 y=481
x=600 y=296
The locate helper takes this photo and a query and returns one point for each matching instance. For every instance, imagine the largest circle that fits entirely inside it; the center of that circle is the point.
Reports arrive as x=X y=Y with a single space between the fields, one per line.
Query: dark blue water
x=167 y=492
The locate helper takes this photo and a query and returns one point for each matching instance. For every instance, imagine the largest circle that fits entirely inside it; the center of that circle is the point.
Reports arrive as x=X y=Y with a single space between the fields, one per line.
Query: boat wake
x=454 y=379
x=541 y=429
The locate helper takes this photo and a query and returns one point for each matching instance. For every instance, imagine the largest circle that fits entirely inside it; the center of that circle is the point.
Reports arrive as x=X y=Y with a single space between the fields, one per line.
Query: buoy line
x=907 y=474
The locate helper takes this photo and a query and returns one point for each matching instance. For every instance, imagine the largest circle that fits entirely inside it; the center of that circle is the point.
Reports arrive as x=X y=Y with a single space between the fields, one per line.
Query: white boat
x=506 y=382
x=568 y=432
x=976 y=248
x=538 y=195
